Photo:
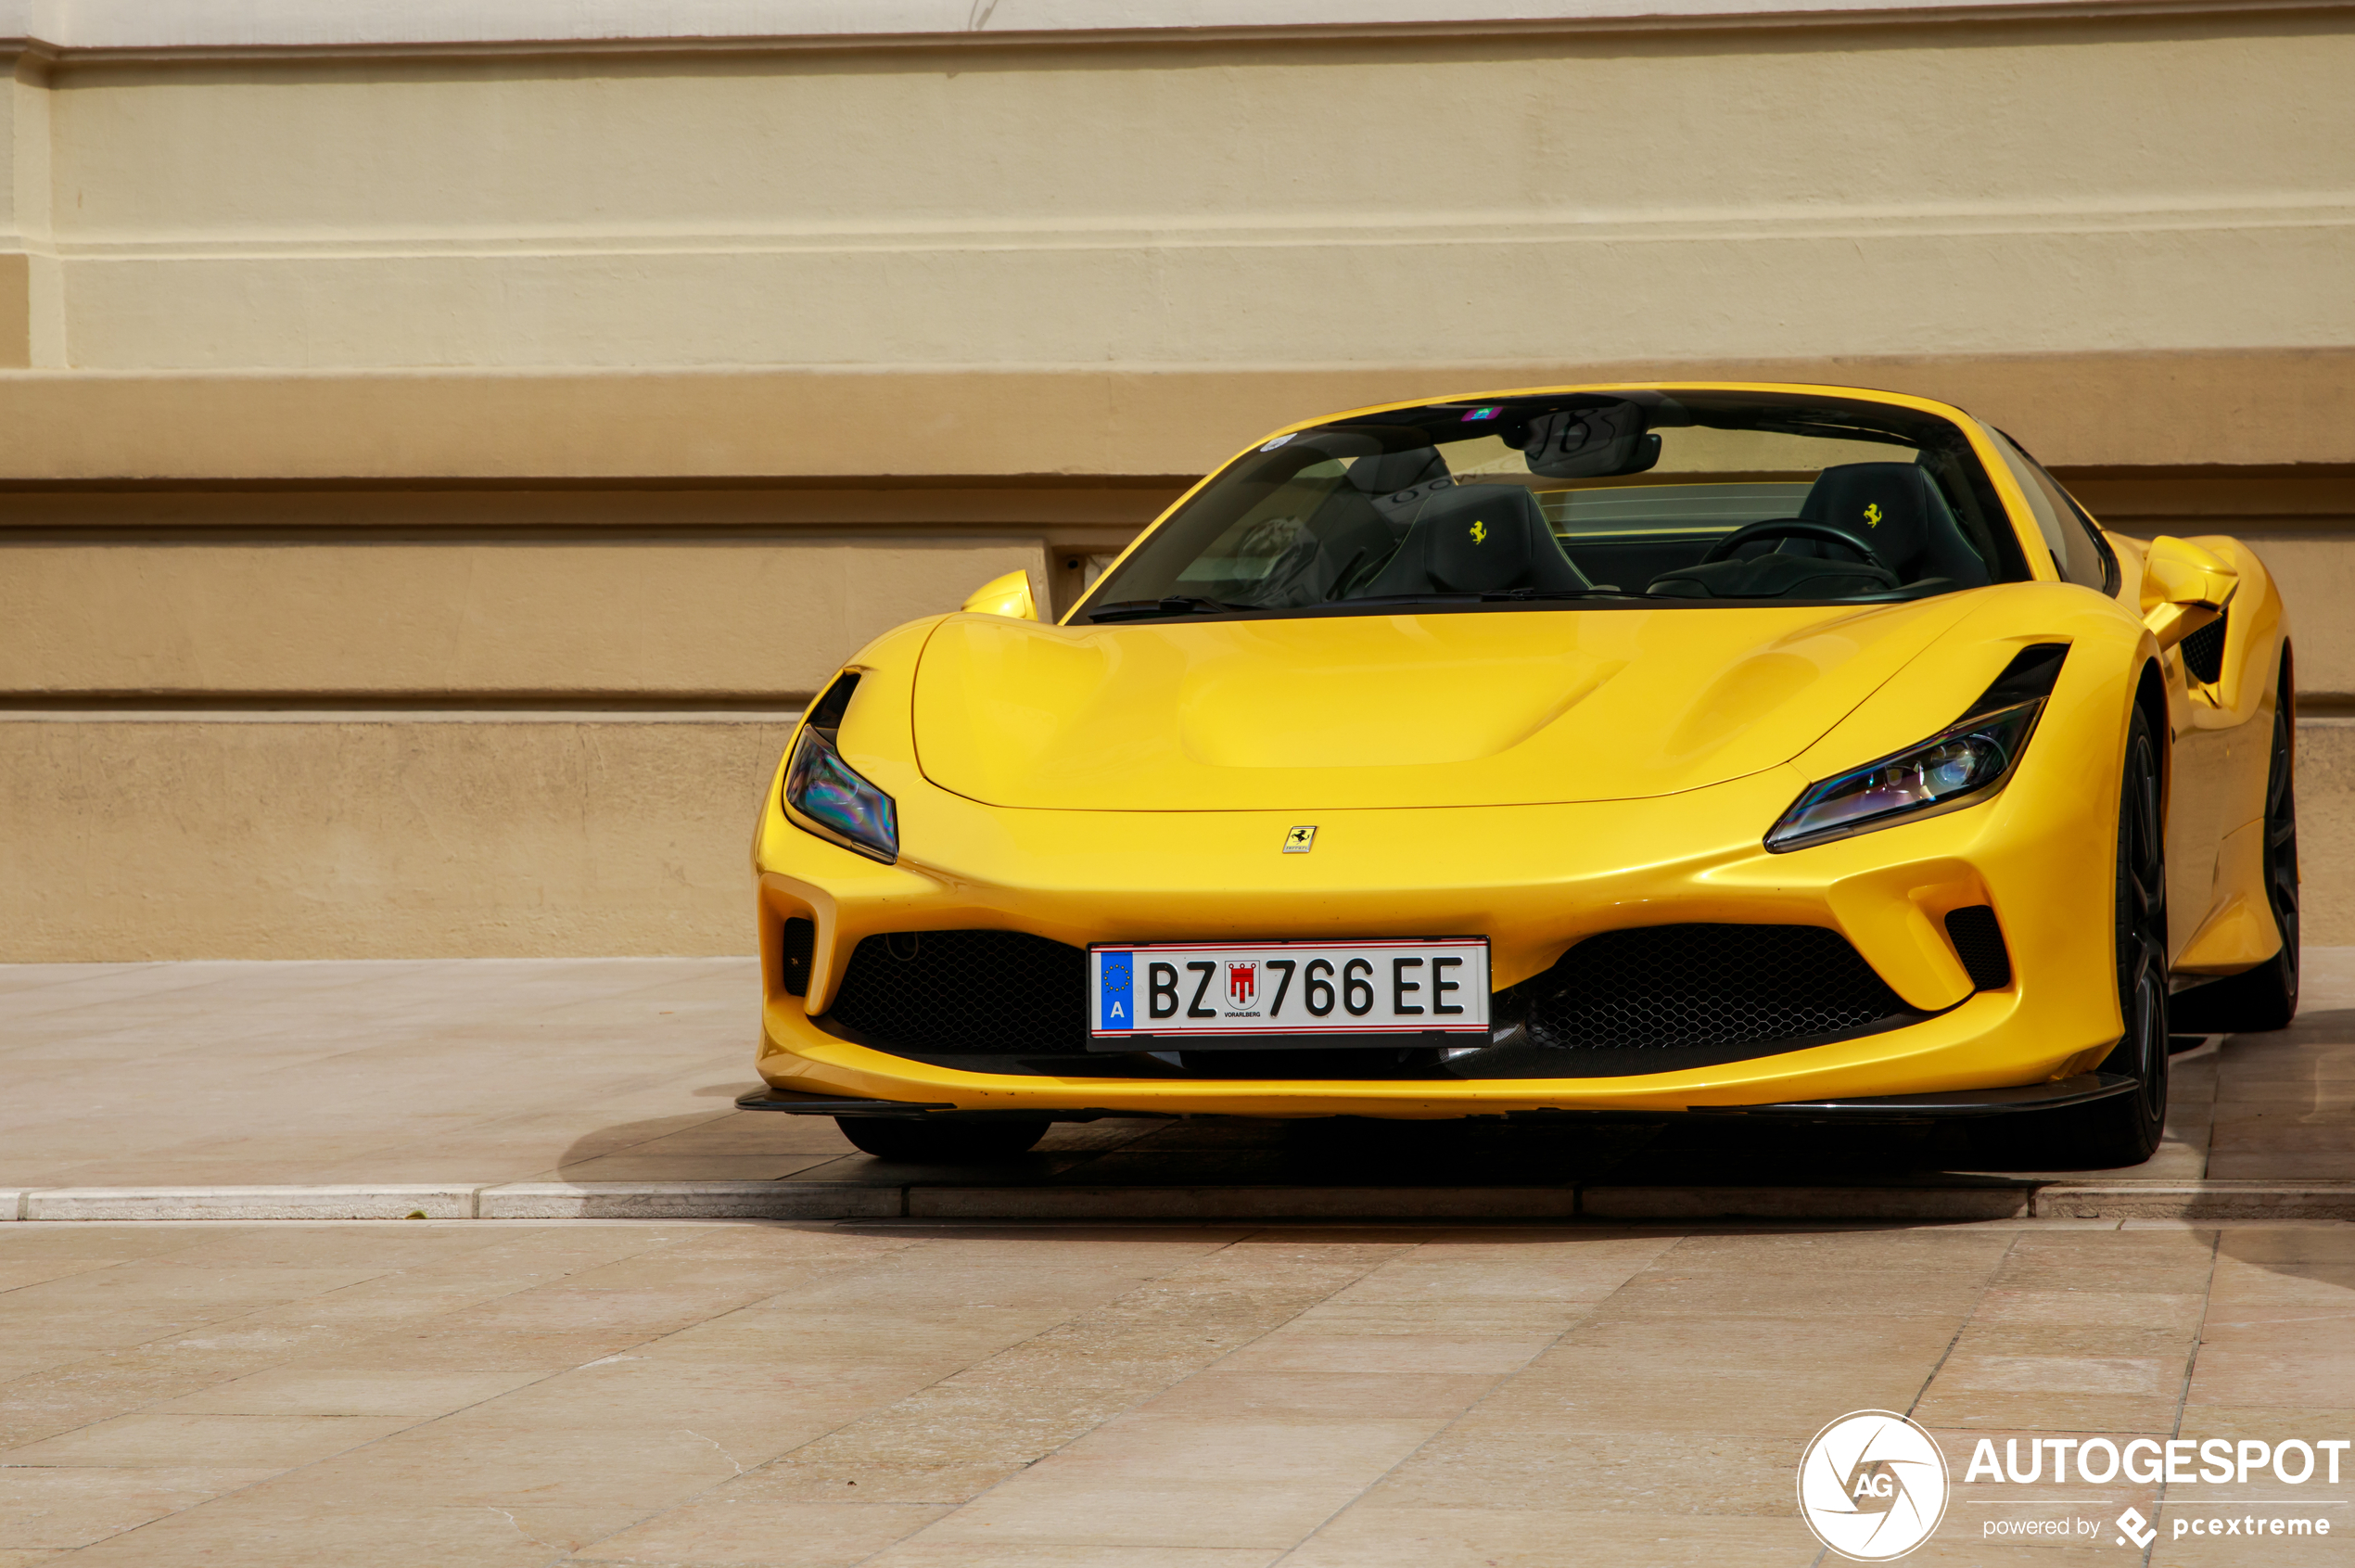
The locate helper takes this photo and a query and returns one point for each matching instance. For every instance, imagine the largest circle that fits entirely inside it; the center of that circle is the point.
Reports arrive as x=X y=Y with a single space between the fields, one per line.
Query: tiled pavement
x=379 y=1396
x=618 y=1070
x=692 y=1394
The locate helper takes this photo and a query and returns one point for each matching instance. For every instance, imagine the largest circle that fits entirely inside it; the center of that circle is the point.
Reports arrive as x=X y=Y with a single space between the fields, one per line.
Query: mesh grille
x=793 y=957
x=972 y=991
x=1682 y=986
x=2203 y=651
x=1979 y=942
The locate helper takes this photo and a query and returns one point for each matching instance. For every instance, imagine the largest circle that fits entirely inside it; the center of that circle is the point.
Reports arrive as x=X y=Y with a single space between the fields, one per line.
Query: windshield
x=1698 y=498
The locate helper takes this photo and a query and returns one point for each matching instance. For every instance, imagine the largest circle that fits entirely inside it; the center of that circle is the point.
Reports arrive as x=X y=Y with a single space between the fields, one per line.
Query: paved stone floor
x=600 y=1070
x=422 y=1395
x=701 y=1394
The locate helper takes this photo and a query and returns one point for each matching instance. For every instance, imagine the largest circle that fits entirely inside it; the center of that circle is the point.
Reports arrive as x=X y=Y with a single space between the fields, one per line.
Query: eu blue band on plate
x=1117 y=991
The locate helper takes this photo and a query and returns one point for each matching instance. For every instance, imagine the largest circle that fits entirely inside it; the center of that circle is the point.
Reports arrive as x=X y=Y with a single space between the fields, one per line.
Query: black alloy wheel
x=2134 y=1125
x=2265 y=997
x=943 y=1139
x=2125 y=1128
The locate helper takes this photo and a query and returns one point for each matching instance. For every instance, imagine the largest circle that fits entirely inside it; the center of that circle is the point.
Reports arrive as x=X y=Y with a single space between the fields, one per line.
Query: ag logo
x=1872 y=513
x=1300 y=840
x=1872 y=1485
x=1479 y=531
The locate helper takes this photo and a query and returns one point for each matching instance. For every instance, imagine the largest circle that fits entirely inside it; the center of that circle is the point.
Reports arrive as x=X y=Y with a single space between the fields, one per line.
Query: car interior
x=1672 y=499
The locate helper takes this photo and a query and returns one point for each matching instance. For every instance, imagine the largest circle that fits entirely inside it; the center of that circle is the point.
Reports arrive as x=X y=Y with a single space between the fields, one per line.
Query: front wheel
x=939 y=1140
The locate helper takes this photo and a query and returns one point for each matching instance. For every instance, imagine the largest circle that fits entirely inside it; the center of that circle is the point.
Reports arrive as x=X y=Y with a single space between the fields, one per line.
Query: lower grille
x=1646 y=1000
x=980 y=993
x=1679 y=987
x=1979 y=942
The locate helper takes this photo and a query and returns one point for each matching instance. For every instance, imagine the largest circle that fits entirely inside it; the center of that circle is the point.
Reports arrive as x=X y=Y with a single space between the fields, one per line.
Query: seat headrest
x=1889 y=506
x=1477 y=538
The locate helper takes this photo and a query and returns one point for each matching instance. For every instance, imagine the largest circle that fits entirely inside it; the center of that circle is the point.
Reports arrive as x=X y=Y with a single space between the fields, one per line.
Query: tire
x=2265 y=997
x=937 y=1140
x=2125 y=1128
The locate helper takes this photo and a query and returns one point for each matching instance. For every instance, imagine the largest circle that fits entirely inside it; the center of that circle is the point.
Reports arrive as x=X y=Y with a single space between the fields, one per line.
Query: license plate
x=1198 y=996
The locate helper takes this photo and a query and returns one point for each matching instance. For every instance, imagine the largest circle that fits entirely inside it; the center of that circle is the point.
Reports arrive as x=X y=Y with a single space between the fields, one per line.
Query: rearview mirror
x=2184 y=587
x=1583 y=443
x=1007 y=595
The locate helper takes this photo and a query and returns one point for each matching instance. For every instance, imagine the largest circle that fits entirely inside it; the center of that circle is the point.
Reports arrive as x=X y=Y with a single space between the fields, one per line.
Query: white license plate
x=1285 y=995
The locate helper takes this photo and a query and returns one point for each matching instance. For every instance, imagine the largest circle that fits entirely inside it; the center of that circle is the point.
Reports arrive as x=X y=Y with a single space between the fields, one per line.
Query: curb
x=1807 y=1203
x=246 y=1203
x=2190 y=1201
x=2195 y=1199
x=689 y=1200
x=1243 y=1203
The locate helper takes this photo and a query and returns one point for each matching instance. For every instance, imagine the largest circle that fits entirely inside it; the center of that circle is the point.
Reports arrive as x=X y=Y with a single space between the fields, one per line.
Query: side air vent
x=2030 y=674
x=793 y=958
x=1979 y=942
x=2203 y=651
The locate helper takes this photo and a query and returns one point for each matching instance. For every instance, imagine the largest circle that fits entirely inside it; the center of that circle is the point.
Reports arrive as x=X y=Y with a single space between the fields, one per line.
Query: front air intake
x=973 y=992
x=1678 y=986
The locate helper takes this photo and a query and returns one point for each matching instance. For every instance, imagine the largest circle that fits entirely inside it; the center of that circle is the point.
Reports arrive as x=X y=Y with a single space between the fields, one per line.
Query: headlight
x=833 y=801
x=1957 y=767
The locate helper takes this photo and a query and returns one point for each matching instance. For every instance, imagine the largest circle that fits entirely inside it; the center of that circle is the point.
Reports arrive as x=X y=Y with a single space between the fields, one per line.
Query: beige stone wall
x=746 y=618
x=379 y=835
x=1884 y=187
x=429 y=470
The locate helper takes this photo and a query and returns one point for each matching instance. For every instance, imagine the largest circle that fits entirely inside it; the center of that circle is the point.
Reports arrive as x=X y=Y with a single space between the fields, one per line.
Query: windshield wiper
x=1602 y=591
x=1176 y=604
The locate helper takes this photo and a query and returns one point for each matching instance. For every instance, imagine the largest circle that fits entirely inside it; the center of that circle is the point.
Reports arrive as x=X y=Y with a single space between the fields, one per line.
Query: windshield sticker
x=1274 y=444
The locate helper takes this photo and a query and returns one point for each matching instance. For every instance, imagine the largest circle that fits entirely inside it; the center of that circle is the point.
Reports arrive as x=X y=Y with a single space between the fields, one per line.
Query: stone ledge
x=1242 y=1202
x=403 y=1202
x=690 y=1200
x=1807 y=1203
x=2111 y=409
x=290 y=25
x=2195 y=1199
x=1927 y=1202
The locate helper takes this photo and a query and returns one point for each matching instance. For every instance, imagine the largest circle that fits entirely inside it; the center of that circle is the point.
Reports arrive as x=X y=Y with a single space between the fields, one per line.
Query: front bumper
x=1534 y=879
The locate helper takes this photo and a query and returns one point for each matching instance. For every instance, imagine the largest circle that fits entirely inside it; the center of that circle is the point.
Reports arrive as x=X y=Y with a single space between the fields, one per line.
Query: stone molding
x=114 y=28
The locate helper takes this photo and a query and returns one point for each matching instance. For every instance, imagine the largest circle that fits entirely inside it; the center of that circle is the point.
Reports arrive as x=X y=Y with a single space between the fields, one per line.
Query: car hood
x=1504 y=708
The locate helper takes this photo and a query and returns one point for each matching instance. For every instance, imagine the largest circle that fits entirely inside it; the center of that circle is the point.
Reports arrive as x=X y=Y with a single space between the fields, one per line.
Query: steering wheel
x=1793 y=527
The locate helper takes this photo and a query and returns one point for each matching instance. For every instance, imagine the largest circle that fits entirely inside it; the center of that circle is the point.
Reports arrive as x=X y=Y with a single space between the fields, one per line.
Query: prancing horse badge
x=1300 y=840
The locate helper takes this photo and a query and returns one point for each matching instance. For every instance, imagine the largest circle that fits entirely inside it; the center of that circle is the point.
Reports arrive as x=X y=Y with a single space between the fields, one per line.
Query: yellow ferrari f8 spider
x=1709 y=749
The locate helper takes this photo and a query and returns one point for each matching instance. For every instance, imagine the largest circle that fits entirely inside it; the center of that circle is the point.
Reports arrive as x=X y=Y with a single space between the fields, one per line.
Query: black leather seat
x=1896 y=508
x=1477 y=538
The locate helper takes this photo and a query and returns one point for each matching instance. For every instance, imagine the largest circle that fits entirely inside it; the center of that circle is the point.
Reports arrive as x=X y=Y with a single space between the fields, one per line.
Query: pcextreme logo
x=1872 y=1485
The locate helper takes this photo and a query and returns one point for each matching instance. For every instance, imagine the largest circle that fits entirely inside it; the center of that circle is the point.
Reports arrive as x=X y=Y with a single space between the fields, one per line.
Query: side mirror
x=1007 y=595
x=2184 y=587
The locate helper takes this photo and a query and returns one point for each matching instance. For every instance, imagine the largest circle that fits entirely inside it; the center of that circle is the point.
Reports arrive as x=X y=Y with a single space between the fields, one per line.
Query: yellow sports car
x=1675 y=748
